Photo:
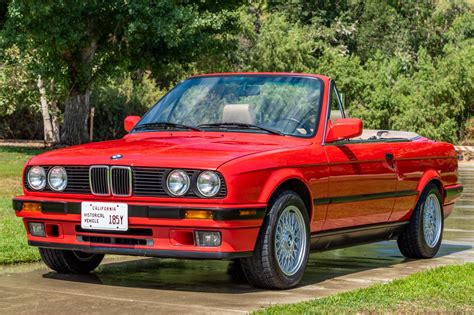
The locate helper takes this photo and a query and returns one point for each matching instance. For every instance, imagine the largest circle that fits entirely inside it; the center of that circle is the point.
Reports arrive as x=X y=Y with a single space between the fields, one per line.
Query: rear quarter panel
x=417 y=164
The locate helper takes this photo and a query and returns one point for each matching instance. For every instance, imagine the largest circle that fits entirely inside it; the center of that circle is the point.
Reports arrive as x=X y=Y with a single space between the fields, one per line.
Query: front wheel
x=423 y=235
x=282 y=250
x=68 y=261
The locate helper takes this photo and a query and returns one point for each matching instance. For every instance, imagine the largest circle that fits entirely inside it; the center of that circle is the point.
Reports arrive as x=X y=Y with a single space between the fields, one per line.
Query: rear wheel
x=282 y=248
x=68 y=261
x=422 y=237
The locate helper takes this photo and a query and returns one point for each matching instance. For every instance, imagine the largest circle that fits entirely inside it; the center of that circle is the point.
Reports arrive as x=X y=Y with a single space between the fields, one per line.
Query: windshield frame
x=302 y=76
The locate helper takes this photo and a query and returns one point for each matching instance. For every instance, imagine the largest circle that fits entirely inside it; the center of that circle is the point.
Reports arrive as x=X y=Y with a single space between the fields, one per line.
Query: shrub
x=119 y=97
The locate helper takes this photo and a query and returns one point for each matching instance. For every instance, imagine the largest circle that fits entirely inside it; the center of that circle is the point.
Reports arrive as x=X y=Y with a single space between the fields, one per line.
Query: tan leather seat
x=335 y=114
x=237 y=113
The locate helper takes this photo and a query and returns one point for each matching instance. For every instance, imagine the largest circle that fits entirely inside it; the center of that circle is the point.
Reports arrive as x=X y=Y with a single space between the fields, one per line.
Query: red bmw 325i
x=261 y=167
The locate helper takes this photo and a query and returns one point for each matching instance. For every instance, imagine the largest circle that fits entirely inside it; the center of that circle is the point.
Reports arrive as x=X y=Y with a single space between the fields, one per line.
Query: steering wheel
x=296 y=124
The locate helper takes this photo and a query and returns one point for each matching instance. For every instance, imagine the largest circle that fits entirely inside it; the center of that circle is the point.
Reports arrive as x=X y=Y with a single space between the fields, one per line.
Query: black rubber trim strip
x=157 y=212
x=452 y=192
x=129 y=232
x=17 y=205
x=144 y=252
x=358 y=228
x=340 y=238
x=353 y=198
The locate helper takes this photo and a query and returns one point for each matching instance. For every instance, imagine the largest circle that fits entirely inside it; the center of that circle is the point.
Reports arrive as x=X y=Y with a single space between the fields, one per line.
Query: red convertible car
x=260 y=167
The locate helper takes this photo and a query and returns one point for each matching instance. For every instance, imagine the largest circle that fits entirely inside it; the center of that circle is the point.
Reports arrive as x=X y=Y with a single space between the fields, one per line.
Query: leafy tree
x=116 y=98
x=77 y=42
x=399 y=64
x=282 y=46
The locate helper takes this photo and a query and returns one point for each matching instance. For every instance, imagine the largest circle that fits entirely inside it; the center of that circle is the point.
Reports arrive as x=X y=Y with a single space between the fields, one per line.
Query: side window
x=337 y=111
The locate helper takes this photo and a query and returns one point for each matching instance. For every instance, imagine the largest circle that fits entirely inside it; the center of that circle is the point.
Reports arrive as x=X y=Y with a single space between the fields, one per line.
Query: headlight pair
x=208 y=183
x=56 y=178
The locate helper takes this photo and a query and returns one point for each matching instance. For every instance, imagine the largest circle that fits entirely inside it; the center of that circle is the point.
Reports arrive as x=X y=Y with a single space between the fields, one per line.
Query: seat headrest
x=335 y=114
x=237 y=113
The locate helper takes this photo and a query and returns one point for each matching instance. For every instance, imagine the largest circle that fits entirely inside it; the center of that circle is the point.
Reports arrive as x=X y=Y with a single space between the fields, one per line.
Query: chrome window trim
x=332 y=86
x=130 y=180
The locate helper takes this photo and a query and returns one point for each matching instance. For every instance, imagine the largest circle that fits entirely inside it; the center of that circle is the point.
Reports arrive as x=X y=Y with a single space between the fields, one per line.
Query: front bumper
x=143 y=252
x=155 y=230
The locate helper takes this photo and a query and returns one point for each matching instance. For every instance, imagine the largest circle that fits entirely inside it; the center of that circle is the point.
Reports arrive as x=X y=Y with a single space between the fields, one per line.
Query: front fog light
x=207 y=238
x=36 y=229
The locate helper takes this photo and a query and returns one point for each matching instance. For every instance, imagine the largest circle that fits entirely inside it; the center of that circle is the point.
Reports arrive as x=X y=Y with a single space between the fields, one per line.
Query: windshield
x=286 y=105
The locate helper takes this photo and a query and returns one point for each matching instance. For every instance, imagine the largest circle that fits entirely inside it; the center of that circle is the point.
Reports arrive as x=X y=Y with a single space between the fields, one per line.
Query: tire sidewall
x=427 y=250
x=285 y=200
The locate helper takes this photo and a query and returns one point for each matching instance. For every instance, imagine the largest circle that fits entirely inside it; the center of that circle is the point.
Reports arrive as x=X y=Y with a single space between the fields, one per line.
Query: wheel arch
x=288 y=180
x=431 y=176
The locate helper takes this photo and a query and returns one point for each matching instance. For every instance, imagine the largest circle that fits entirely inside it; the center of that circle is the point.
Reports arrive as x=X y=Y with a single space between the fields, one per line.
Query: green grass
x=13 y=245
x=448 y=289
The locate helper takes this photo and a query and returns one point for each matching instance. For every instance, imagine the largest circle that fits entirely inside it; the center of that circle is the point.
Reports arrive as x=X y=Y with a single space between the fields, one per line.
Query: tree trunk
x=77 y=106
x=51 y=134
x=54 y=112
x=76 y=115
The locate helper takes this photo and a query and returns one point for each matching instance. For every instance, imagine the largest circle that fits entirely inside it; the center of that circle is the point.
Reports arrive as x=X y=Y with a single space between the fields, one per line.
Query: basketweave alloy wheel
x=432 y=220
x=423 y=235
x=282 y=249
x=67 y=261
x=290 y=240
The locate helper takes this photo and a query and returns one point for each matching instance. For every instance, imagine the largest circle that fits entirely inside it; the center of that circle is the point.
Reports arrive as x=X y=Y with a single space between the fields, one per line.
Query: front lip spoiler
x=144 y=252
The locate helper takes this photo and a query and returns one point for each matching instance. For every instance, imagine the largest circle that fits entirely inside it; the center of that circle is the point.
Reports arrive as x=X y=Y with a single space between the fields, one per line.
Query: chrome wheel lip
x=432 y=220
x=290 y=240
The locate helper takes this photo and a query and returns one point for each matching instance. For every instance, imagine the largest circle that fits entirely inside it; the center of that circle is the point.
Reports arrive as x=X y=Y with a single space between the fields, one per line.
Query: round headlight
x=208 y=183
x=57 y=178
x=178 y=182
x=37 y=178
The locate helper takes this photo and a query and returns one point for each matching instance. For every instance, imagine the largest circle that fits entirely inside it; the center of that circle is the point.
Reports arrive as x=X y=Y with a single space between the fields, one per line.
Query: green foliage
x=13 y=245
x=115 y=99
x=399 y=64
x=282 y=46
x=19 y=105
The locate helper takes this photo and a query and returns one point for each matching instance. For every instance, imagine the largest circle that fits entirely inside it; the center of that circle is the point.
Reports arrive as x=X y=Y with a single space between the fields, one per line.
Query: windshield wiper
x=240 y=126
x=165 y=125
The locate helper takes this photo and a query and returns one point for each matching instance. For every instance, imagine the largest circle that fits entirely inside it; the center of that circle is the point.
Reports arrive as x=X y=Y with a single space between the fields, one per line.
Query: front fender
x=277 y=178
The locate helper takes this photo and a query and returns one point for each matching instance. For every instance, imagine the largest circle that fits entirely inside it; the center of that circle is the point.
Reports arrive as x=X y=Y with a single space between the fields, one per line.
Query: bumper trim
x=141 y=211
x=144 y=252
x=454 y=191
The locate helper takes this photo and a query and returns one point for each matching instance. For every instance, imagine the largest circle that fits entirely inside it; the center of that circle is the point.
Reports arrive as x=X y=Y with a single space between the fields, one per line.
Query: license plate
x=104 y=216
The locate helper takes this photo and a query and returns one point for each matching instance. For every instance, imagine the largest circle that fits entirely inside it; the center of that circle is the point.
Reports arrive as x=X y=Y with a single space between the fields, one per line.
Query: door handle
x=390 y=159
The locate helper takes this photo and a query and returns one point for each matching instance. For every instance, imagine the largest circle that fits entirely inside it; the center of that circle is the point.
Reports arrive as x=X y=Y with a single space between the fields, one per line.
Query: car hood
x=175 y=150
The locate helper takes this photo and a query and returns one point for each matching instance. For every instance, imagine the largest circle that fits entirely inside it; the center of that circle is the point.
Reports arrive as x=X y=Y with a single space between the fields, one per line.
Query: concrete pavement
x=130 y=285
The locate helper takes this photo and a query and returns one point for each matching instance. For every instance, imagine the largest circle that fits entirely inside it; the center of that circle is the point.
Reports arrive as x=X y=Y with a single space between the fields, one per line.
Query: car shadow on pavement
x=227 y=277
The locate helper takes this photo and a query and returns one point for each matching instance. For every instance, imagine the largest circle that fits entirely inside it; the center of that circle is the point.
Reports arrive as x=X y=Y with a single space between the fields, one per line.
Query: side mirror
x=343 y=128
x=130 y=122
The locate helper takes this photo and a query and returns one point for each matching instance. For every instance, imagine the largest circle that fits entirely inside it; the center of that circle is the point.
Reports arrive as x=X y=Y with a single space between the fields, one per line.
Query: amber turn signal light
x=244 y=213
x=31 y=207
x=198 y=214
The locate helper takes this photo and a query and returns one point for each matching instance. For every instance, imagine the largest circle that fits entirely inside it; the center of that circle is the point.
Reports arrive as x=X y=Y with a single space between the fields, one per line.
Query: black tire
x=411 y=241
x=68 y=261
x=262 y=269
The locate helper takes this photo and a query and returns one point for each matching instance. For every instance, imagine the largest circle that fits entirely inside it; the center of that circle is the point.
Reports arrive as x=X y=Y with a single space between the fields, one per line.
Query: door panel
x=361 y=185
